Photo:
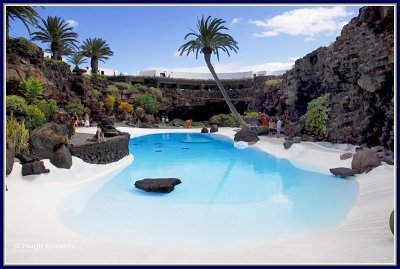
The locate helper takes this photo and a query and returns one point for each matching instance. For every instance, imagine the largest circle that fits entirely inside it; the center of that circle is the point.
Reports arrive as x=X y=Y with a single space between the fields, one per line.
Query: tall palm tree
x=76 y=59
x=207 y=40
x=27 y=15
x=65 y=49
x=57 y=32
x=98 y=50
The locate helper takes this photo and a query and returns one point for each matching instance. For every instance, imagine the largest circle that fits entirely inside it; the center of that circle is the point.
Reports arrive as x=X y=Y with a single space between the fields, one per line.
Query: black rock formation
x=165 y=185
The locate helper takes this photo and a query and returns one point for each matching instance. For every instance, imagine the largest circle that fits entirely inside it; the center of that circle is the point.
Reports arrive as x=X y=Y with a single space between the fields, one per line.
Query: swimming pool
x=229 y=198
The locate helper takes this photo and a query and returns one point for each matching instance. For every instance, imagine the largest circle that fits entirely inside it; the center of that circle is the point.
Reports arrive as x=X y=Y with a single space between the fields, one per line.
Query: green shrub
x=96 y=93
x=18 y=134
x=317 y=116
x=32 y=89
x=35 y=117
x=273 y=81
x=156 y=92
x=201 y=86
x=47 y=107
x=97 y=76
x=16 y=105
x=137 y=85
x=124 y=85
x=251 y=114
x=47 y=59
x=109 y=102
x=78 y=107
x=148 y=102
x=223 y=119
x=112 y=88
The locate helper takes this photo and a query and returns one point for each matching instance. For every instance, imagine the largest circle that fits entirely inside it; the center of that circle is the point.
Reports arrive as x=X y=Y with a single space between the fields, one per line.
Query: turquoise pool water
x=229 y=198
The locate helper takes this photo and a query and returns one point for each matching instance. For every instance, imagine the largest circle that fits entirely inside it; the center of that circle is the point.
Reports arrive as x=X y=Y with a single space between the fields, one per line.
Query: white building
x=188 y=75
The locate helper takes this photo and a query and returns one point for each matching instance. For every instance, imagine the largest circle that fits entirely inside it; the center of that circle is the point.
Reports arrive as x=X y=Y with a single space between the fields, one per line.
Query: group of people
x=164 y=120
x=274 y=124
x=83 y=122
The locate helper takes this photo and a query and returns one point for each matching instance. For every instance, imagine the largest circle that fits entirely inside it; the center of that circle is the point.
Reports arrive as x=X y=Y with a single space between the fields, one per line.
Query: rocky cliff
x=358 y=71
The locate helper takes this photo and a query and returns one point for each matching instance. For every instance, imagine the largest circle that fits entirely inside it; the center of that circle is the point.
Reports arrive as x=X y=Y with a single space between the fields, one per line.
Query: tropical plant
x=98 y=50
x=148 y=102
x=137 y=85
x=76 y=59
x=209 y=39
x=18 y=134
x=78 y=107
x=27 y=15
x=16 y=105
x=109 y=102
x=47 y=107
x=31 y=88
x=317 y=116
x=35 y=117
x=65 y=49
x=125 y=106
x=124 y=85
x=57 y=32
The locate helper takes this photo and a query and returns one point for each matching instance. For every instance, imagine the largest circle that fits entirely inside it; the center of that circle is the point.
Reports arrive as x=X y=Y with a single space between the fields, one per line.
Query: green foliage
x=96 y=93
x=98 y=50
x=47 y=59
x=109 y=102
x=32 y=89
x=273 y=81
x=156 y=92
x=78 y=107
x=16 y=105
x=137 y=85
x=148 y=102
x=112 y=88
x=47 y=107
x=124 y=85
x=223 y=119
x=201 y=86
x=264 y=130
x=251 y=114
x=317 y=116
x=97 y=76
x=125 y=106
x=35 y=117
x=18 y=134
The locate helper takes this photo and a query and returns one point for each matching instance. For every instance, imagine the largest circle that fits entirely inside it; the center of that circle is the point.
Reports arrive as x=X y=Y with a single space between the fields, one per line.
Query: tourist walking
x=271 y=127
x=162 y=121
x=100 y=134
x=166 y=120
x=87 y=123
x=278 y=127
x=75 y=120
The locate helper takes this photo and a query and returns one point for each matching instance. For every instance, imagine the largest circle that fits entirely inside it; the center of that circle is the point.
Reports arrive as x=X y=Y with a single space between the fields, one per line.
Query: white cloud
x=236 y=21
x=72 y=23
x=176 y=53
x=270 y=67
x=293 y=59
x=307 y=22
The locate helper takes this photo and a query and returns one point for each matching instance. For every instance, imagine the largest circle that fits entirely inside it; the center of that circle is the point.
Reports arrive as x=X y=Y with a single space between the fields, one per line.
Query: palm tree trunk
x=54 y=49
x=207 y=57
x=94 y=64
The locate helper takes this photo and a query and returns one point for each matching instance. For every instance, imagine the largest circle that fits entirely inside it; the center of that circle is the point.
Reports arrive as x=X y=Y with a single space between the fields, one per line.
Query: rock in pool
x=164 y=185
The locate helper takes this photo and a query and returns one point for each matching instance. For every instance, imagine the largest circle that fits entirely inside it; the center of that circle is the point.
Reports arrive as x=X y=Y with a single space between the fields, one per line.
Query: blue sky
x=148 y=37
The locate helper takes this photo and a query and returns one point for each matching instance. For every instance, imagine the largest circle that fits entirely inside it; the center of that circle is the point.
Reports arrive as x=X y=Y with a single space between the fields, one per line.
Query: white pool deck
x=34 y=234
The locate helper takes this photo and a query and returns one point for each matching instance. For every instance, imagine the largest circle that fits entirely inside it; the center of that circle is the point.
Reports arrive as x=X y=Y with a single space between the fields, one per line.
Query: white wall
x=187 y=75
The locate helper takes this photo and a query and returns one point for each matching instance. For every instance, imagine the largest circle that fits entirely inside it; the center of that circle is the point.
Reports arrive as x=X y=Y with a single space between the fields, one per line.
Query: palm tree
x=55 y=31
x=76 y=59
x=208 y=40
x=98 y=50
x=66 y=49
x=27 y=15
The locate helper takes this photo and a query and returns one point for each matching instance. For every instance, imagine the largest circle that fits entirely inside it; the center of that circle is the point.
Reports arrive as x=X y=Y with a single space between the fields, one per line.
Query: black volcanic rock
x=165 y=185
x=343 y=172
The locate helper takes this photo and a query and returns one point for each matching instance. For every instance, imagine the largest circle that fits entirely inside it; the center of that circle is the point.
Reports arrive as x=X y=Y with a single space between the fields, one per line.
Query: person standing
x=87 y=123
x=75 y=120
x=271 y=127
x=278 y=127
